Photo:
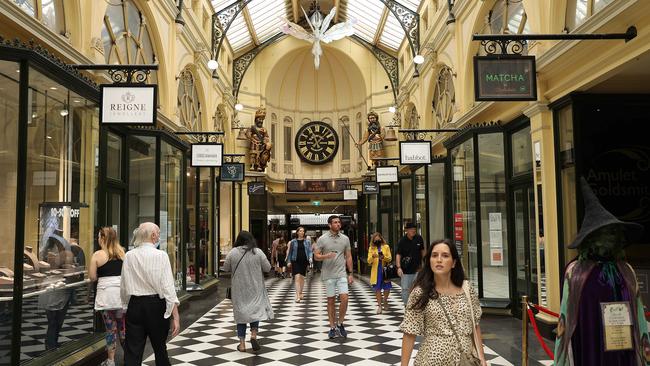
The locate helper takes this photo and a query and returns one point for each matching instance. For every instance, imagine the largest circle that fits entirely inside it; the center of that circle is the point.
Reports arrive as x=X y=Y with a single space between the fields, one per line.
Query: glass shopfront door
x=524 y=235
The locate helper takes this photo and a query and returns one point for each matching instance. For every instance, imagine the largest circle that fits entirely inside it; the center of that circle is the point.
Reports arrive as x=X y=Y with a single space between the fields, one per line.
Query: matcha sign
x=504 y=78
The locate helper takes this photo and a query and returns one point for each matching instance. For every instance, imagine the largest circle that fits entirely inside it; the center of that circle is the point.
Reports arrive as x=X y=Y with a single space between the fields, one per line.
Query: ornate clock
x=317 y=142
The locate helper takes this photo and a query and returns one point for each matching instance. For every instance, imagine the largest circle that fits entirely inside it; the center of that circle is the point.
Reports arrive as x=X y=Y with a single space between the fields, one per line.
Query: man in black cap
x=601 y=316
x=410 y=251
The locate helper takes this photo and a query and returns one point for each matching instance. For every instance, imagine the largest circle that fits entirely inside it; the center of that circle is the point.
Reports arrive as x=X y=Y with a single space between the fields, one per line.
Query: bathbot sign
x=415 y=152
x=504 y=78
x=128 y=105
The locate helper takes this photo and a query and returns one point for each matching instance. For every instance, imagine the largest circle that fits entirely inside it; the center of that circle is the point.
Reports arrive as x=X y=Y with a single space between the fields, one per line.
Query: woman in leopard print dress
x=441 y=282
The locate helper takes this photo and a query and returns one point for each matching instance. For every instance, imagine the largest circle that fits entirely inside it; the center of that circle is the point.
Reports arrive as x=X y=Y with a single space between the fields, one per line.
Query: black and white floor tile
x=298 y=334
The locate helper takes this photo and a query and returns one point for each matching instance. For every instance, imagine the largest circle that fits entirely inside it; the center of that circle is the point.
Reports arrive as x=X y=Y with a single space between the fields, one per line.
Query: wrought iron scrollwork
x=241 y=63
x=221 y=22
x=410 y=21
x=233 y=158
x=119 y=75
x=387 y=61
x=504 y=46
x=423 y=134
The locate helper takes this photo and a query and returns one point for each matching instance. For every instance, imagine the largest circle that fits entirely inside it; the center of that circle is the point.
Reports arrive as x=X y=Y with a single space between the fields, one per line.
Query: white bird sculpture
x=320 y=33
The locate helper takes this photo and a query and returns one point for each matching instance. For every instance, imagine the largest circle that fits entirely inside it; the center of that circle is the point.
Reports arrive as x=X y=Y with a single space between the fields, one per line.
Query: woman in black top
x=299 y=256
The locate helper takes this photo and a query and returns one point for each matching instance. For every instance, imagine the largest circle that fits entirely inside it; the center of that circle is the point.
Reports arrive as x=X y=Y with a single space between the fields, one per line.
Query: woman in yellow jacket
x=378 y=258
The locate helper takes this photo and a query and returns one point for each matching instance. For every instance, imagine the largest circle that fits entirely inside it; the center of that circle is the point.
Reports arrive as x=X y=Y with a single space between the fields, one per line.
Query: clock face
x=317 y=142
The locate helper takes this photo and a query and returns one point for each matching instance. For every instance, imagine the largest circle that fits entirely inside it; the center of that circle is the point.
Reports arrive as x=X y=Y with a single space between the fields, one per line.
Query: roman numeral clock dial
x=316 y=142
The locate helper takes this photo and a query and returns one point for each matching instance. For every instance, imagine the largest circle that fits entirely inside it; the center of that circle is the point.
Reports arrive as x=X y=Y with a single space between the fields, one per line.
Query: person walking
x=250 y=301
x=274 y=254
x=281 y=257
x=299 y=258
x=106 y=269
x=333 y=249
x=148 y=293
x=379 y=257
x=444 y=308
x=410 y=250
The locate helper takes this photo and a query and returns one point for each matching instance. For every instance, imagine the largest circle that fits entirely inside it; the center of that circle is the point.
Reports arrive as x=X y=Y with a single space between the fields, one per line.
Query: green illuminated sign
x=505 y=78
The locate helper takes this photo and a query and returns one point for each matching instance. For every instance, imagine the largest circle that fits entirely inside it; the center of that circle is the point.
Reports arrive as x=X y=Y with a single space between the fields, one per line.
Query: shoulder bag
x=471 y=315
x=229 y=289
x=466 y=358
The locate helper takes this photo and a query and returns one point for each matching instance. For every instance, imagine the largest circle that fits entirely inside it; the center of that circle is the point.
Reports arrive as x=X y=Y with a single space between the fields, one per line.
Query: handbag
x=229 y=289
x=390 y=271
x=466 y=359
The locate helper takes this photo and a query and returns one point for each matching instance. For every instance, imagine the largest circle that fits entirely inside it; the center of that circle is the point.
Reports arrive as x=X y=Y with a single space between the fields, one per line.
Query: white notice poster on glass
x=495 y=220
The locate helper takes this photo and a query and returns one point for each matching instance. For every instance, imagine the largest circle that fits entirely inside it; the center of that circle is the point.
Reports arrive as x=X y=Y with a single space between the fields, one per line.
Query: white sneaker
x=378 y=310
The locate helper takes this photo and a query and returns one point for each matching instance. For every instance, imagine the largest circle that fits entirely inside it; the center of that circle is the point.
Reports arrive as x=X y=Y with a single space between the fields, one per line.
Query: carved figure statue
x=260 y=142
x=374 y=135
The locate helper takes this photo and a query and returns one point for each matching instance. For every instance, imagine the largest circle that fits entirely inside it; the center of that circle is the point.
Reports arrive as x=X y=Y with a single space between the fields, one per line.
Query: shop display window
x=9 y=91
x=494 y=225
x=60 y=224
x=421 y=203
x=142 y=182
x=171 y=214
x=436 y=193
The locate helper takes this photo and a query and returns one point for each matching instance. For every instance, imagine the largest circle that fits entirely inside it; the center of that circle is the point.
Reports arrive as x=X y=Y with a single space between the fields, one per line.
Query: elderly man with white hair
x=148 y=293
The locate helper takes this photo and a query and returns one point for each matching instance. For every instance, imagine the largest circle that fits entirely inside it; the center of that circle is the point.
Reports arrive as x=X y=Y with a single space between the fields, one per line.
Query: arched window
x=444 y=98
x=125 y=35
x=189 y=107
x=49 y=12
x=579 y=10
x=507 y=16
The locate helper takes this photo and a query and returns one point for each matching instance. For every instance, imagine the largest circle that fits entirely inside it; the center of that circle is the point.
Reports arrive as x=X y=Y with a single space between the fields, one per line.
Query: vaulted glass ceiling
x=259 y=21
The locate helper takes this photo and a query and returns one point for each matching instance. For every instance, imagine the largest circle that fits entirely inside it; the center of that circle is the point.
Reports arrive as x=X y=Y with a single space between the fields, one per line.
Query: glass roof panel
x=393 y=33
x=264 y=15
x=219 y=5
x=238 y=35
x=368 y=14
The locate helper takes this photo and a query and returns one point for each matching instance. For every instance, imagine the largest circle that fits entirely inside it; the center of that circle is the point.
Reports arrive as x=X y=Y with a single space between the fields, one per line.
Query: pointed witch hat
x=596 y=217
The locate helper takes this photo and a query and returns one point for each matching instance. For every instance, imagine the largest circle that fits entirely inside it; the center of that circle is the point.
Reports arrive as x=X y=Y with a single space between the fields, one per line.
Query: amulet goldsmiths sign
x=505 y=78
x=128 y=104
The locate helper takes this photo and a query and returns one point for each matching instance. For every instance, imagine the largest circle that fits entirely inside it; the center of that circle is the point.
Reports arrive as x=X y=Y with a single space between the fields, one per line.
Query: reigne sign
x=128 y=104
x=414 y=152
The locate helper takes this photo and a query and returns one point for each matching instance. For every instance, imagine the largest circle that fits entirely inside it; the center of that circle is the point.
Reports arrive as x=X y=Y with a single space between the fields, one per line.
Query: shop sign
x=315 y=186
x=386 y=174
x=415 y=152
x=256 y=188
x=232 y=172
x=350 y=195
x=128 y=104
x=370 y=188
x=207 y=155
x=505 y=78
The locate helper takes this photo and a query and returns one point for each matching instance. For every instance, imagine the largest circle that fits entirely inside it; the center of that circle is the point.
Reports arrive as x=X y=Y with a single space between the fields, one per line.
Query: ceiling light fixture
x=418 y=59
x=392 y=109
x=239 y=106
x=213 y=64
x=64 y=112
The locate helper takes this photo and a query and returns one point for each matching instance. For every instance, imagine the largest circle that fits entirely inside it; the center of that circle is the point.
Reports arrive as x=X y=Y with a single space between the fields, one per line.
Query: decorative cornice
x=535 y=108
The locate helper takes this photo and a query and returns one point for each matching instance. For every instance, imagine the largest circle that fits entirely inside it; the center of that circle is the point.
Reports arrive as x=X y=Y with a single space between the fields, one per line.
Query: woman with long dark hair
x=379 y=257
x=250 y=301
x=106 y=269
x=444 y=308
x=299 y=258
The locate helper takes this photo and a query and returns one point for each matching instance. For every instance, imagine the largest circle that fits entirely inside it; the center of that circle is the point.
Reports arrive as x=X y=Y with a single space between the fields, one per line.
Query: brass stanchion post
x=524 y=330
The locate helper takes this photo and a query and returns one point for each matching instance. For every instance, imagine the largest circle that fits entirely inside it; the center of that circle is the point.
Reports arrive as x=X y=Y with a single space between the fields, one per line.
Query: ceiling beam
x=249 y=25
x=295 y=6
x=381 y=25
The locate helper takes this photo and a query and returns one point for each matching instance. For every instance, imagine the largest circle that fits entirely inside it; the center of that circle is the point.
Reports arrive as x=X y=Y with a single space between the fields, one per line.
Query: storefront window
x=204 y=250
x=59 y=216
x=522 y=152
x=225 y=225
x=406 y=194
x=436 y=192
x=494 y=233
x=567 y=178
x=171 y=212
x=114 y=156
x=372 y=214
x=190 y=209
x=9 y=91
x=464 y=207
x=142 y=182
x=421 y=203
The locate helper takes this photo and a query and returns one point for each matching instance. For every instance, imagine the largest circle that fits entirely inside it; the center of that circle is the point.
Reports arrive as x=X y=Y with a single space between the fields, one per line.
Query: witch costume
x=599 y=275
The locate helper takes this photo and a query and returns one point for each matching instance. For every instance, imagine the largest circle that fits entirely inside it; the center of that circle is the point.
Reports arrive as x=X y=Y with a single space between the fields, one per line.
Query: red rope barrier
x=544 y=310
x=539 y=336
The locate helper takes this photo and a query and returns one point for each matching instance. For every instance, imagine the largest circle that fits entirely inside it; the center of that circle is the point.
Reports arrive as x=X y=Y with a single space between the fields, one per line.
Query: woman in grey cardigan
x=250 y=301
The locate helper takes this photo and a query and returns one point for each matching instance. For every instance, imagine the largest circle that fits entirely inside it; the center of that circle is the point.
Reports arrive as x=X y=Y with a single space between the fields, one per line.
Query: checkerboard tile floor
x=298 y=334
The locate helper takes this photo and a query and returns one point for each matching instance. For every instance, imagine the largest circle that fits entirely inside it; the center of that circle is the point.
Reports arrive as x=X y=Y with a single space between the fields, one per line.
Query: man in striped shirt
x=148 y=293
